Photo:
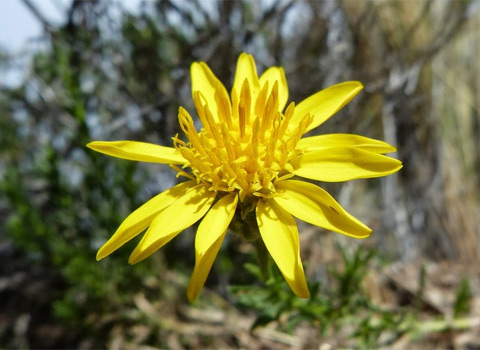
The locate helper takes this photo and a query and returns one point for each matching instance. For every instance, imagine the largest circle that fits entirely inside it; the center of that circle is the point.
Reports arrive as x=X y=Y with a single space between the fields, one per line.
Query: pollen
x=245 y=144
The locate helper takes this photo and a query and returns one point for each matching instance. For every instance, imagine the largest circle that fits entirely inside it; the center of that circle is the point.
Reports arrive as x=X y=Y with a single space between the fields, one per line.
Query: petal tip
x=392 y=149
x=398 y=165
x=359 y=87
x=244 y=55
x=199 y=66
x=194 y=65
x=103 y=252
x=355 y=83
x=134 y=258
x=355 y=87
x=192 y=294
x=303 y=294
x=93 y=145
x=363 y=232
x=100 y=255
x=367 y=232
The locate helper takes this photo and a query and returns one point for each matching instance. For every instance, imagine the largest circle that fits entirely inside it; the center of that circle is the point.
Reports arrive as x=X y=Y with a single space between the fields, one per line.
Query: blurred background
x=74 y=71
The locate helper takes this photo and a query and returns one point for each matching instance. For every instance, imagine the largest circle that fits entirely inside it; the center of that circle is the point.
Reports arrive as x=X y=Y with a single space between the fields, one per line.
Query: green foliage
x=63 y=200
x=59 y=226
x=463 y=299
x=421 y=288
x=338 y=305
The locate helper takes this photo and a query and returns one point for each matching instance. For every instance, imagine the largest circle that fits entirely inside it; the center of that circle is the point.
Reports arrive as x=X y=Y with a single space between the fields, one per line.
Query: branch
x=40 y=17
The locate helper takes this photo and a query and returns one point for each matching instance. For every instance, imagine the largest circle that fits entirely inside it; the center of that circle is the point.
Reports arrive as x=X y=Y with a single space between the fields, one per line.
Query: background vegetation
x=106 y=74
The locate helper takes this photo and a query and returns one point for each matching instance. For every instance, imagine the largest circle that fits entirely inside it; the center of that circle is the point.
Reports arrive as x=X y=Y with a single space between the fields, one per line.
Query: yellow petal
x=272 y=75
x=343 y=164
x=139 y=151
x=169 y=222
x=246 y=70
x=325 y=103
x=209 y=238
x=207 y=83
x=280 y=235
x=139 y=220
x=314 y=143
x=314 y=205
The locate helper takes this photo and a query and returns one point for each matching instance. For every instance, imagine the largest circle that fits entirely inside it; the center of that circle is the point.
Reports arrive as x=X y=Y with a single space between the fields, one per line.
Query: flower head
x=241 y=164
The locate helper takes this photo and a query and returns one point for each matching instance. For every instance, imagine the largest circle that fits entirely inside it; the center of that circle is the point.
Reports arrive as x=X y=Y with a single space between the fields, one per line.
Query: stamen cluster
x=246 y=145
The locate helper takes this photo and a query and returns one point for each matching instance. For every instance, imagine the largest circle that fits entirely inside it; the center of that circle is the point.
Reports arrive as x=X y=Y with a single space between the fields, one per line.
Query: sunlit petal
x=209 y=238
x=204 y=81
x=343 y=164
x=173 y=219
x=280 y=235
x=314 y=143
x=326 y=103
x=141 y=218
x=246 y=70
x=314 y=205
x=139 y=151
x=272 y=75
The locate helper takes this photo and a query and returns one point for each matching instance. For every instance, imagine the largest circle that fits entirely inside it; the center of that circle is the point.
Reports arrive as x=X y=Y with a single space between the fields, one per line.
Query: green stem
x=263 y=259
x=245 y=224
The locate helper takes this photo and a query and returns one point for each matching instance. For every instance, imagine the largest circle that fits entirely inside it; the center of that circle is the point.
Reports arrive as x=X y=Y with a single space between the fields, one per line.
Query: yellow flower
x=241 y=164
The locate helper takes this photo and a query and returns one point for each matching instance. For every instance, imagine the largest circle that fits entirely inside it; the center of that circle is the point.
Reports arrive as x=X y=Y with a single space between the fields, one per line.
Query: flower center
x=245 y=145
